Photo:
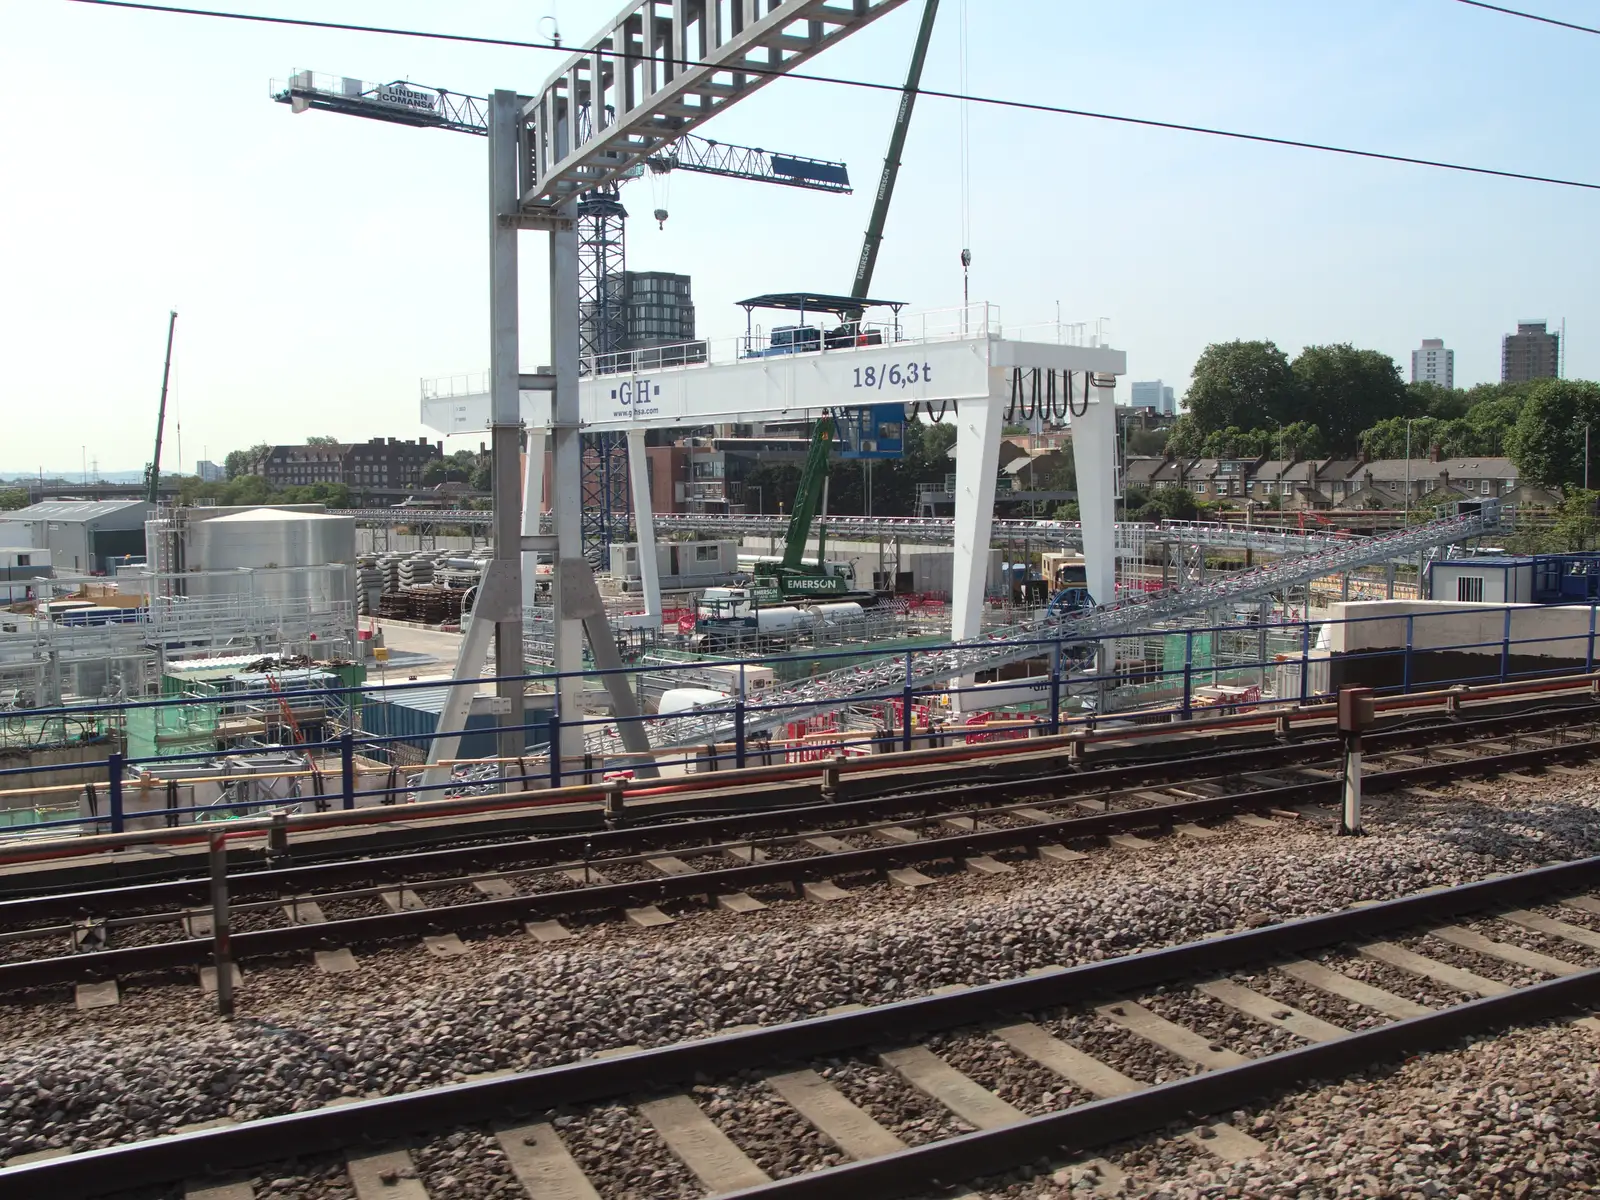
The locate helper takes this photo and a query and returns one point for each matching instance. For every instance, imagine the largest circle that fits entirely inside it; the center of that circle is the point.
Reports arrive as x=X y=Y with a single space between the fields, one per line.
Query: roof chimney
x=1433 y=452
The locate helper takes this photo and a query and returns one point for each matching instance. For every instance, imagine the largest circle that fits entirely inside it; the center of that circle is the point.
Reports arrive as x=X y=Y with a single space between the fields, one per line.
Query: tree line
x=1250 y=400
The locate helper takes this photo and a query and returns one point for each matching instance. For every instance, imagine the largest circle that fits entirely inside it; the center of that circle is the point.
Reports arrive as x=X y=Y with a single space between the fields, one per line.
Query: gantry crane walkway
x=1218 y=535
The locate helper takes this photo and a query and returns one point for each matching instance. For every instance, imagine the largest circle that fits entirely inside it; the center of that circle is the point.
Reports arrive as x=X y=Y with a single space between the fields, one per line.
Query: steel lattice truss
x=936 y=530
x=706 y=157
x=796 y=701
x=662 y=68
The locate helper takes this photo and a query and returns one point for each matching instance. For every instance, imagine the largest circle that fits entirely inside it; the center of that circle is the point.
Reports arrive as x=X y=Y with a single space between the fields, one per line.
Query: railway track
x=1086 y=764
x=741 y=862
x=1317 y=996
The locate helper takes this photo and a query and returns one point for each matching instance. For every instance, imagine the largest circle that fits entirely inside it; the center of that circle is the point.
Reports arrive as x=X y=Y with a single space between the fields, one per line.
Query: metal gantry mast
x=663 y=69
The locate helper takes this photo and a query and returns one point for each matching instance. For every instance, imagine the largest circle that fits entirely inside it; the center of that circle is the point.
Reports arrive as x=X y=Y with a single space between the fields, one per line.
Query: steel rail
x=408 y=923
x=1072 y=1131
x=178 y=1157
x=608 y=838
x=102 y=964
x=1033 y=777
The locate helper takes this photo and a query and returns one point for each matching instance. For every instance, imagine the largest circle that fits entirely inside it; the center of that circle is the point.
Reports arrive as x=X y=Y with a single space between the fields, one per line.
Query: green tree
x=239 y=462
x=1547 y=442
x=1433 y=400
x=1246 y=384
x=12 y=498
x=322 y=440
x=1147 y=441
x=1577 y=524
x=1343 y=391
x=1167 y=503
x=482 y=479
x=1186 y=439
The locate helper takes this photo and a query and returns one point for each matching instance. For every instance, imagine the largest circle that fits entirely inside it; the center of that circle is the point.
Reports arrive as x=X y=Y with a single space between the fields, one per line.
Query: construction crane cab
x=841 y=323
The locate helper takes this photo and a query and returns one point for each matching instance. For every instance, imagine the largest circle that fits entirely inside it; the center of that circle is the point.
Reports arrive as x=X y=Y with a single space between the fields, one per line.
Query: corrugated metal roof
x=72 y=510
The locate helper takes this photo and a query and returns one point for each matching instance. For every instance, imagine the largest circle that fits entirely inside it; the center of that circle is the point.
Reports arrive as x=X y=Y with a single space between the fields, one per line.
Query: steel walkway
x=1131 y=536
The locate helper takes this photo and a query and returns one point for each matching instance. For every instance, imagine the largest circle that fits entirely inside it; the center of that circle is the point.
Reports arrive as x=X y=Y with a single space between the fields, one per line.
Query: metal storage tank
x=265 y=538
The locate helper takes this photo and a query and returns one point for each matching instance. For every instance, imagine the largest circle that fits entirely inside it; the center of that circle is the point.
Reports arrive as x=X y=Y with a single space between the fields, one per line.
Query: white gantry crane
x=658 y=70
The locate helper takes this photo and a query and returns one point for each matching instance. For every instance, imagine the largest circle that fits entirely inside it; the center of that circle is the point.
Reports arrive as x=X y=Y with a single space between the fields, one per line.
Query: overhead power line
x=867 y=85
x=1528 y=16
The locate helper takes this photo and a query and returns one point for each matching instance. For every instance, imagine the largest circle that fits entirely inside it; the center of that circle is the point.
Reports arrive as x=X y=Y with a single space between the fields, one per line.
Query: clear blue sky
x=322 y=265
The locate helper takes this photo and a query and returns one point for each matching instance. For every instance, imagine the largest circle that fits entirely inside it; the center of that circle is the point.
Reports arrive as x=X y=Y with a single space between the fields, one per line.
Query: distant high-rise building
x=1530 y=353
x=1155 y=396
x=1434 y=364
x=660 y=311
x=208 y=471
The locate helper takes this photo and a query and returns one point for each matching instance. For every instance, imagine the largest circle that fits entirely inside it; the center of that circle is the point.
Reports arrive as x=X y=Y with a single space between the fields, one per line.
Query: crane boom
x=401 y=102
x=152 y=473
x=808 y=497
x=891 y=161
x=702 y=155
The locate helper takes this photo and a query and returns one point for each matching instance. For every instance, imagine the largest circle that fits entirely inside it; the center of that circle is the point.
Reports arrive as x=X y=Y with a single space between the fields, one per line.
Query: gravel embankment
x=406 y=1020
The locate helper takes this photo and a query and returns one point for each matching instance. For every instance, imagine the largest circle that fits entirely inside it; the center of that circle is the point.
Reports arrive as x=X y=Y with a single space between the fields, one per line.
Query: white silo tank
x=264 y=539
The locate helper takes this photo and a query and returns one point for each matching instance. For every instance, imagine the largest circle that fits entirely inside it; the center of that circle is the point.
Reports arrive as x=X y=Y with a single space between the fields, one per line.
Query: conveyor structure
x=795 y=701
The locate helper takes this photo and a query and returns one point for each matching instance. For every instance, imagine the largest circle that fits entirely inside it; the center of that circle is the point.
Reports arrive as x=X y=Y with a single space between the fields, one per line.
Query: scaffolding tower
x=602 y=332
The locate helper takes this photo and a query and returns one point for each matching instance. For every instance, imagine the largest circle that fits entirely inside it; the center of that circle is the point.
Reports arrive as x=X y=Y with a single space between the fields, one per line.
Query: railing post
x=347 y=769
x=1588 y=665
x=555 y=749
x=1305 y=660
x=1055 y=688
x=738 y=732
x=1505 y=647
x=114 y=791
x=1411 y=619
x=221 y=950
x=1188 y=671
x=906 y=698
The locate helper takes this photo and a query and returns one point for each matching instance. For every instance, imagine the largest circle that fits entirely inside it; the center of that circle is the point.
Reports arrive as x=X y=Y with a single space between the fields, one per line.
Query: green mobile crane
x=152 y=469
x=791 y=577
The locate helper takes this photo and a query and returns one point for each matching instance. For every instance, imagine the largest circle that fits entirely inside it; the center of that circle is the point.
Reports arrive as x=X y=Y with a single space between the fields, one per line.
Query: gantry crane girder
x=659 y=70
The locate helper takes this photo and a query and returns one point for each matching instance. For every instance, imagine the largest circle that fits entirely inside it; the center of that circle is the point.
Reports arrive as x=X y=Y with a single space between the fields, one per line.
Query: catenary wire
x=866 y=85
x=1517 y=12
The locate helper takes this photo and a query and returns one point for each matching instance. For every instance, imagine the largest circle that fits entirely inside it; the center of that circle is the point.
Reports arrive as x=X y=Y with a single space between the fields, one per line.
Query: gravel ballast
x=405 y=1020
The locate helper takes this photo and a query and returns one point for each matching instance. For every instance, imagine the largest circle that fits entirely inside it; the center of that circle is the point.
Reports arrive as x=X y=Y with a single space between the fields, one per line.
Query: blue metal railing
x=1397 y=661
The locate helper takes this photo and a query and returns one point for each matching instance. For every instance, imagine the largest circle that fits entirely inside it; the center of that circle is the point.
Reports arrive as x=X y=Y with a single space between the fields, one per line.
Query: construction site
x=625 y=639
x=807 y=751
